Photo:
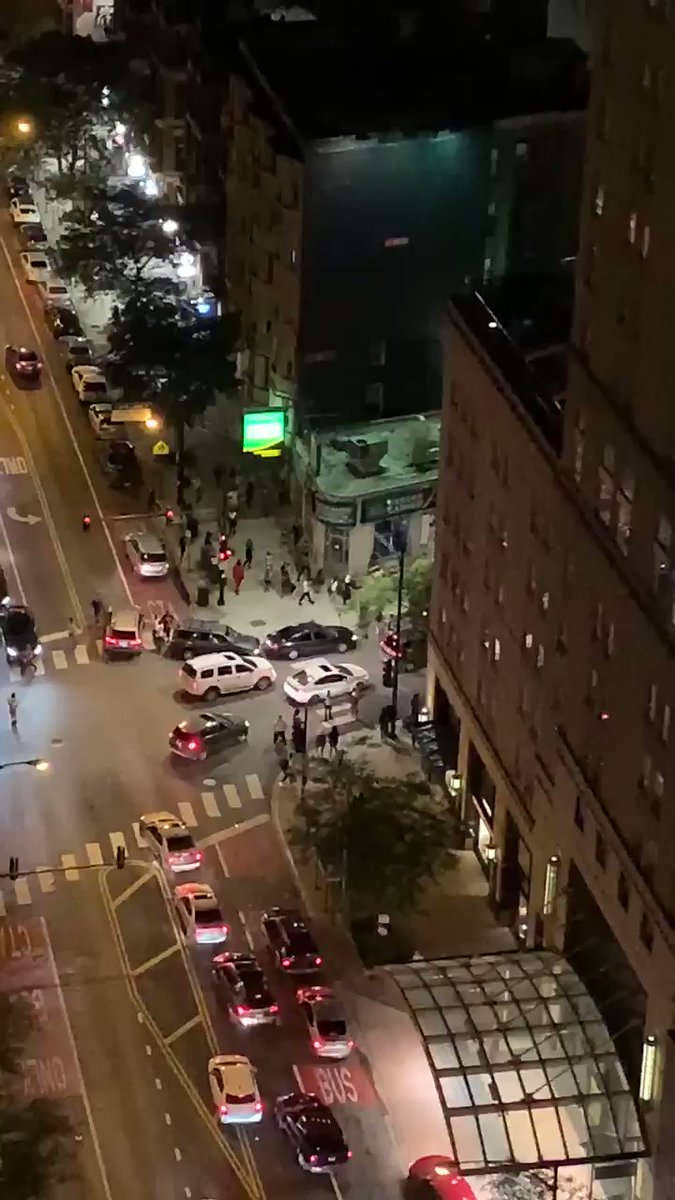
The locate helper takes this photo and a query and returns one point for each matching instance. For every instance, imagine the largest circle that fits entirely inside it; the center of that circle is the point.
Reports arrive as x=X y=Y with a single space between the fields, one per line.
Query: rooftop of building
x=523 y=327
x=329 y=85
x=374 y=458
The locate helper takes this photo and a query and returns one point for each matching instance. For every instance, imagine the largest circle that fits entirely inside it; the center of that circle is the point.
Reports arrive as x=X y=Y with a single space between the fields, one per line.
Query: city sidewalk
x=455 y=919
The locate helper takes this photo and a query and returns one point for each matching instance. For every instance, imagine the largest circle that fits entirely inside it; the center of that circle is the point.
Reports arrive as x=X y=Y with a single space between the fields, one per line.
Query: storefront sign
x=379 y=508
x=264 y=431
x=334 y=513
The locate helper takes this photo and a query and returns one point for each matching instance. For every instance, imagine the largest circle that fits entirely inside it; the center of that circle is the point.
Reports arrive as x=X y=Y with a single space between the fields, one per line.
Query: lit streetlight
x=170 y=226
x=152 y=423
x=40 y=764
x=24 y=126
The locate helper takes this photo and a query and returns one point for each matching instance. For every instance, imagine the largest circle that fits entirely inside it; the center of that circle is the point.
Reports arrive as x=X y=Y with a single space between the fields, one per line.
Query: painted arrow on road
x=29 y=519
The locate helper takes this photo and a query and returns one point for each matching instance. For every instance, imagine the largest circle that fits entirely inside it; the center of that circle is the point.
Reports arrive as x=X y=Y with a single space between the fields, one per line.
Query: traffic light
x=120 y=857
x=169 y=515
x=13 y=867
x=86 y=521
x=388 y=673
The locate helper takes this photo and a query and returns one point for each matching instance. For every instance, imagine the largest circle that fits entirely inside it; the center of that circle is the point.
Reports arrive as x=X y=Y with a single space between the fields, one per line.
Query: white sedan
x=53 y=290
x=90 y=384
x=21 y=211
x=36 y=265
x=234 y=1088
x=170 y=841
x=199 y=913
x=320 y=680
x=326 y=1022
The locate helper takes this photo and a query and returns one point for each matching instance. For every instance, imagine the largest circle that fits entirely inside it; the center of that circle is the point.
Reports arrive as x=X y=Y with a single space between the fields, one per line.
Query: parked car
x=192 y=636
x=53 y=290
x=22 y=209
x=309 y=638
x=62 y=321
x=213 y=675
x=35 y=264
x=436 y=1177
x=32 y=236
x=146 y=554
x=121 y=464
x=23 y=363
x=79 y=353
x=89 y=384
x=208 y=734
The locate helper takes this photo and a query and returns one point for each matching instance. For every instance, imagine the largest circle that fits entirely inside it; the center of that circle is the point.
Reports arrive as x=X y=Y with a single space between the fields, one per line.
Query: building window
x=624 y=512
x=540 y=656
x=661 y=555
x=622 y=891
x=647 y=77
x=599 y=199
x=659 y=785
x=579 y=818
x=578 y=447
x=606 y=485
x=497 y=650
x=646 y=931
x=609 y=640
x=528 y=641
x=600 y=850
x=652 y=702
x=632 y=227
x=545 y=601
x=644 y=248
x=665 y=723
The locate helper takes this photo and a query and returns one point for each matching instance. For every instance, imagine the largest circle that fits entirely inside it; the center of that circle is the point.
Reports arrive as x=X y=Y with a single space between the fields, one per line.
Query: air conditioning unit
x=364 y=458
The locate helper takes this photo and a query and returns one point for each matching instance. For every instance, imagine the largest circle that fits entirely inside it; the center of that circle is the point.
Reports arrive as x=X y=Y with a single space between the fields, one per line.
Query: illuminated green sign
x=264 y=431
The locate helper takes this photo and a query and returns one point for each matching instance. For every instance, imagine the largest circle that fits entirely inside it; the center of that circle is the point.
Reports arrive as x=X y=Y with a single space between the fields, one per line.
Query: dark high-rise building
x=552 y=659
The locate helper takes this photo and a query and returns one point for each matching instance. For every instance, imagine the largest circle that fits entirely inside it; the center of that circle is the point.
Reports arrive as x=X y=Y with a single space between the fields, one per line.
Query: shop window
x=496 y=650
x=623 y=891
x=599 y=203
x=600 y=850
x=528 y=641
x=540 y=656
x=646 y=237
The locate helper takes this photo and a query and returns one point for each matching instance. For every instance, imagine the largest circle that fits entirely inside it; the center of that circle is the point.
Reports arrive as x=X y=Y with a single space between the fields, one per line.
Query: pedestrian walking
x=383 y=721
x=333 y=739
x=158 y=635
x=218 y=473
x=222 y=584
x=233 y=499
x=347 y=590
x=306 y=592
x=321 y=742
x=267 y=577
x=182 y=546
x=328 y=707
x=248 y=554
x=197 y=488
x=152 y=500
x=97 y=609
x=249 y=492
x=415 y=704
x=192 y=524
x=285 y=765
x=237 y=576
x=298 y=737
x=72 y=632
x=13 y=706
x=355 y=701
x=287 y=585
x=232 y=520
x=279 y=730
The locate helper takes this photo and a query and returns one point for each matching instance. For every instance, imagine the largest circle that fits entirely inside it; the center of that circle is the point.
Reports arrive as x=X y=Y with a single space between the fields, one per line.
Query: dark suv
x=22 y=644
x=193 y=637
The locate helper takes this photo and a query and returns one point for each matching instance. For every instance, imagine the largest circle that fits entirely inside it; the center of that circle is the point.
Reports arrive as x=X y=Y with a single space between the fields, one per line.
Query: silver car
x=146 y=555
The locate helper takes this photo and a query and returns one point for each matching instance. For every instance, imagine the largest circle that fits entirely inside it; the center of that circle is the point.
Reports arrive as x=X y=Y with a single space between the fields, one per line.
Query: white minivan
x=213 y=675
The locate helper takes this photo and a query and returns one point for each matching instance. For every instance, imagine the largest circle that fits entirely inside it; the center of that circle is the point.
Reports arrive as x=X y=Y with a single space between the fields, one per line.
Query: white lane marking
x=39 y=667
x=140 y=840
x=117 y=839
x=298 y=1078
x=247 y=933
x=10 y=555
x=83 y=465
x=3 y=906
x=231 y=795
x=59 y=659
x=45 y=638
x=210 y=804
x=94 y=853
x=177 y=1154
x=45 y=879
x=158 y=1084
x=81 y=654
x=22 y=891
x=187 y=813
x=167 y=1118
x=69 y=863
x=241 y=827
x=336 y=1189
x=255 y=787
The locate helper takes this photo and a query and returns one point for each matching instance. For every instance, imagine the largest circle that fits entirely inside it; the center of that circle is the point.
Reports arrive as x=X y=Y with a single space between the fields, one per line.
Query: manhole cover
x=56 y=742
x=258 y=622
x=209 y=782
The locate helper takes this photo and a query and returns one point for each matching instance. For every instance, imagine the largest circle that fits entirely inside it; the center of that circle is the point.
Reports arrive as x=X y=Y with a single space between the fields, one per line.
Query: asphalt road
x=138 y=1014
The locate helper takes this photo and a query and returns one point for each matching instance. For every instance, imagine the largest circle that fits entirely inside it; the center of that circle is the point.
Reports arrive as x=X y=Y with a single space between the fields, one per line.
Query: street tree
x=378 y=589
x=35 y=1135
x=386 y=838
x=113 y=239
x=162 y=351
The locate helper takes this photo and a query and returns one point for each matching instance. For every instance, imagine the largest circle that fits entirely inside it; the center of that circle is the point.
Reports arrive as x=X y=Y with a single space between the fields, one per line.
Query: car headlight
x=38 y=649
x=12 y=652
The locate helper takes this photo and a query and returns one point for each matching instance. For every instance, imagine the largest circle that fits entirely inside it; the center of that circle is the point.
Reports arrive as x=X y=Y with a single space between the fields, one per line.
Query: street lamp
x=24 y=126
x=136 y=166
x=169 y=226
x=400 y=544
x=40 y=764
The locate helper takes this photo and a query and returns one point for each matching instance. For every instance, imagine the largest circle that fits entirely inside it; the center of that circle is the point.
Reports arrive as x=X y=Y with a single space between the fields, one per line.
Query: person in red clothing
x=237 y=576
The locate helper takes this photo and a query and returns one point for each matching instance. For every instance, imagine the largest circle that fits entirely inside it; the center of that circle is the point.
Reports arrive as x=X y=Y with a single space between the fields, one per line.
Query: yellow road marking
x=138 y=883
x=152 y=962
x=173 y=1037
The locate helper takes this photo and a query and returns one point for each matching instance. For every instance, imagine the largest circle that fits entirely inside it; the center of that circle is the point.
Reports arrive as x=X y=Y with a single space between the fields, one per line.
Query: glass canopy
x=525 y=1069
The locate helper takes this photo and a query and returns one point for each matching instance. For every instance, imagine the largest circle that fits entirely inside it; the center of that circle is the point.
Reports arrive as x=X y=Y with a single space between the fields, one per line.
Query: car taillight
x=192 y=745
x=316 y=1045
x=198 y=855
x=285 y=962
x=274 y=1008
x=137 y=642
x=350 y=1044
x=241 y=1009
x=313 y=1158
x=223 y=1110
x=258 y=1106
x=110 y=641
x=318 y=961
x=225 y=929
x=349 y=1154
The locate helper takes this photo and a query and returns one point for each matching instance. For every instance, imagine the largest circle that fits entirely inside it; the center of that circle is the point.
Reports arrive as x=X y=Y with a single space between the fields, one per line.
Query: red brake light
x=192 y=745
x=110 y=641
x=285 y=962
x=349 y=1154
x=242 y=1008
x=136 y=642
x=223 y=1110
x=274 y=1007
x=316 y=1045
x=258 y=1106
x=225 y=929
x=198 y=855
x=313 y=1158
x=318 y=961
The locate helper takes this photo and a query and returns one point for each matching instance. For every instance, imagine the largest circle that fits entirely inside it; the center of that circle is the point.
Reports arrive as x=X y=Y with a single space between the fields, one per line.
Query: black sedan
x=309 y=639
x=242 y=988
x=121 y=464
x=207 y=734
x=62 y=321
x=32 y=236
x=312 y=1130
x=18 y=628
x=290 y=942
x=23 y=363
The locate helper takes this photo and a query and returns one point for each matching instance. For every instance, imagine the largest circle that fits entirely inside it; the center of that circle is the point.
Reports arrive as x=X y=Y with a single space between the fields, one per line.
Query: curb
x=288 y=853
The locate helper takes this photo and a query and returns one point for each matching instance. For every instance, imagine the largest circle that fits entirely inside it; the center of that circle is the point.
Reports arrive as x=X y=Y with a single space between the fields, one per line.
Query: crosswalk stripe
x=22 y=891
x=81 y=654
x=231 y=795
x=3 y=906
x=187 y=813
x=254 y=787
x=59 y=659
x=99 y=646
x=140 y=840
x=210 y=804
x=39 y=667
x=117 y=839
x=347 y=719
x=69 y=862
x=45 y=879
x=94 y=854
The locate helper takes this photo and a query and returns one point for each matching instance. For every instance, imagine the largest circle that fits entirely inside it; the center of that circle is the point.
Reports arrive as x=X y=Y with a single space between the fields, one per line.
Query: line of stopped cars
x=246 y=996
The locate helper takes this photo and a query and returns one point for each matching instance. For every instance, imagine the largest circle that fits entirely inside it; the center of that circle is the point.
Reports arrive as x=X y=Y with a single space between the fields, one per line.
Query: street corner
x=339 y=1084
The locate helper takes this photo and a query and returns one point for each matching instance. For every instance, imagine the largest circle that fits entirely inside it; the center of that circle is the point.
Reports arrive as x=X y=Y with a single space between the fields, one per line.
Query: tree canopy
x=386 y=838
x=34 y=1134
x=377 y=592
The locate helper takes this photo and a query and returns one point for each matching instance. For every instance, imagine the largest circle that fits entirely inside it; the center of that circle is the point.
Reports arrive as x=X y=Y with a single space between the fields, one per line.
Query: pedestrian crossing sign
x=161 y=449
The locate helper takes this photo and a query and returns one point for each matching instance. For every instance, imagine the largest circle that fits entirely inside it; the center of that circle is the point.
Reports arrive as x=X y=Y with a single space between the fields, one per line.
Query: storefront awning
x=525 y=1069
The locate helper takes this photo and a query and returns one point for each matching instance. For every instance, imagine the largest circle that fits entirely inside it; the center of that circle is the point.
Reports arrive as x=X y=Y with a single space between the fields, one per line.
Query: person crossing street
x=238 y=575
x=13 y=706
x=248 y=555
x=306 y=592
